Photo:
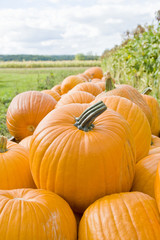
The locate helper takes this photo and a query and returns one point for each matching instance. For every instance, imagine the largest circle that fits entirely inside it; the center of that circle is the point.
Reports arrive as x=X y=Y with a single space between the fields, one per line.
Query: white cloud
x=67 y=27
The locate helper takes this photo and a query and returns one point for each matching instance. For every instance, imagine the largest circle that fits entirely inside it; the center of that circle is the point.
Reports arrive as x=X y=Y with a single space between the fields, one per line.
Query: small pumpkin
x=88 y=87
x=73 y=154
x=128 y=92
x=123 y=216
x=14 y=166
x=75 y=97
x=94 y=72
x=26 y=110
x=70 y=82
x=35 y=214
x=145 y=174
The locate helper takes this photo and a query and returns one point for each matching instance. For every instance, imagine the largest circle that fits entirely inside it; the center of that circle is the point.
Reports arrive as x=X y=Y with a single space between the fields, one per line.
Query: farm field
x=17 y=80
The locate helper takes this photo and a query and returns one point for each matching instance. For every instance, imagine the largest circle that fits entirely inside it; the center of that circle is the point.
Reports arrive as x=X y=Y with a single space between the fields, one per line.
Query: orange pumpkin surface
x=145 y=174
x=124 y=216
x=130 y=93
x=35 y=215
x=88 y=87
x=155 y=142
x=94 y=72
x=73 y=154
x=70 y=82
x=26 y=110
x=14 y=166
x=157 y=186
x=75 y=97
x=155 y=109
x=25 y=142
x=102 y=85
x=53 y=93
x=136 y=119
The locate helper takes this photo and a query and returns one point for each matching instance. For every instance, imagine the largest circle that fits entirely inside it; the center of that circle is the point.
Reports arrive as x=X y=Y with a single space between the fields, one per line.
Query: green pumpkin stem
x=3 y=144
x=85 y=121
x=109 y=82
x=147 y=90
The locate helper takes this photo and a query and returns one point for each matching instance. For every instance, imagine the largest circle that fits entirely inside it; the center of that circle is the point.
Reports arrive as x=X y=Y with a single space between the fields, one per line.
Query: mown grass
x=14 y=81
x=46 y=64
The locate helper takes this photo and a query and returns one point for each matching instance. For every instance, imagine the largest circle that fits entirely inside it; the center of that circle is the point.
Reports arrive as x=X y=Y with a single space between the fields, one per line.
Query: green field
x=14 y=81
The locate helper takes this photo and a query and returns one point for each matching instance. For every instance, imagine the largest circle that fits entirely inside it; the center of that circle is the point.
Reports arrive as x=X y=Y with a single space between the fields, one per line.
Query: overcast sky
x=68 y=27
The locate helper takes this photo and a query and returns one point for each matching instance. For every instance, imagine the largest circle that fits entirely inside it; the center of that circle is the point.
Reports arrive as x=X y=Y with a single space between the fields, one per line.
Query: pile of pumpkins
x=85 y=163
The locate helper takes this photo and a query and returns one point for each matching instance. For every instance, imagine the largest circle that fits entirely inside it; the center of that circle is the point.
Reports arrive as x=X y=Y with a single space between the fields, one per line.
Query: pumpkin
x=94 y=72
x=155 y=109
x=83 y=76
x=102 y=85
x=25 y=142
x=126 y=216
x=128 y=92
x=73 y=154
x=53 y=93
x=136 y=119
x=70 y=82
x=145 y=174
x=154 y=150
x=26 y=110
x=95 y=80
x=155 y=142
x=88 y=87
x=35 y=214
x=14 y=166
x=75 y=97
x=57 y=88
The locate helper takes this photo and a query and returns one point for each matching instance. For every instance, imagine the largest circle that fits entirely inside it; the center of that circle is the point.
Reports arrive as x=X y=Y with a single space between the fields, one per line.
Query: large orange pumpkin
x=26 y=110
x=124 y=216
x=130 y=93
x=82 y=158
x=70 y=82
x=28 y=214
x=75 y=97
x=88 y=87
x=25 y=142
x=145 y=174
x=137 y=120
x=14 y=166
x=94 y=72
x=155 y=109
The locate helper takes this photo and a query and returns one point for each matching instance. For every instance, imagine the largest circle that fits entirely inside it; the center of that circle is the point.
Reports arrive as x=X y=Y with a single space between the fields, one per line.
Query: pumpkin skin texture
x=70 y=82
x=26 y=110
x=88 y=87
x=57 y=88
x=14 y=167
x=124 y=216
x=102 y=85
x=154 y=150
x=82 y=166
x=75 y=97
x=35 y=215
x=132 y=94
x=155 y=109
x=25 y=142
x=136 y=119
x=145 y=174
x=53 y=93
x=94 y=72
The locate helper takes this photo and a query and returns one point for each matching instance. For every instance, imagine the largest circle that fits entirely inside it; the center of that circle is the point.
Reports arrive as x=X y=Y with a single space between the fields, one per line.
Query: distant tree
x=79 y=56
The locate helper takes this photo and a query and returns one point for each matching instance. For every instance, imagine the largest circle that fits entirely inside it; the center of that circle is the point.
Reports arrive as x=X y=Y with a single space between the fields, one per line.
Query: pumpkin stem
x=147 y=90
x=3 y=144
x=85 y=121
x=109 y=82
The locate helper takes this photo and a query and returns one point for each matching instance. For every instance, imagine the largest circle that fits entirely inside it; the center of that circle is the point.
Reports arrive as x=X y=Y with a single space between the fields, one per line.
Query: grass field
x=14 y=81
